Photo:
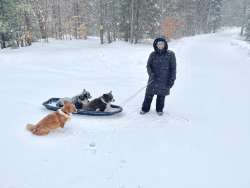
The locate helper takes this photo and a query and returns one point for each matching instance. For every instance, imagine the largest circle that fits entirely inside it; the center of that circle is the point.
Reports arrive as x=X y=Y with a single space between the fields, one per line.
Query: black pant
x=148 y=100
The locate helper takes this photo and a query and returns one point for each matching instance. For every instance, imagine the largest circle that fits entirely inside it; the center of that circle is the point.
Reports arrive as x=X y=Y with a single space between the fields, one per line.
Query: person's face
x=160 y=45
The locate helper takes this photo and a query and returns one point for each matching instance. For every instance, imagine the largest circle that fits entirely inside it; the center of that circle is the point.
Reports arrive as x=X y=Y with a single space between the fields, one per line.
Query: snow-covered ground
x=202 y=141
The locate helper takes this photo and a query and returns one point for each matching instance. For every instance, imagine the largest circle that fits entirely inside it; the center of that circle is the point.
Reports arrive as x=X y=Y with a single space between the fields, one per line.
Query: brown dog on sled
x=53 y=121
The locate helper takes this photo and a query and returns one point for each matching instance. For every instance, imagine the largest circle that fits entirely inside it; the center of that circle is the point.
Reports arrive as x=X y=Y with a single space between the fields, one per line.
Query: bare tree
x=101 y=25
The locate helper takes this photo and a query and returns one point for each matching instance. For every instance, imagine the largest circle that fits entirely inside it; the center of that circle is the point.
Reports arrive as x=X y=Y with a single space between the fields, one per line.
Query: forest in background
x=25 y=21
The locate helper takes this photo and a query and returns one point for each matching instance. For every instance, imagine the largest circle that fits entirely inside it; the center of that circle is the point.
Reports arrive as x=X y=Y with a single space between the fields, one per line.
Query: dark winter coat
x=161 y=69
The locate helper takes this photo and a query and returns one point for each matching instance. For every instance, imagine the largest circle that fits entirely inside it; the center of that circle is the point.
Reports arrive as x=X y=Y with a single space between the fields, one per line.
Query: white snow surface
x=202 y=141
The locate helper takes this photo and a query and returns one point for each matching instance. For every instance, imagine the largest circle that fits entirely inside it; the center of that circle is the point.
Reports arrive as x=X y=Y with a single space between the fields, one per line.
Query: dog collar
x=103 y=101
x=63 y=113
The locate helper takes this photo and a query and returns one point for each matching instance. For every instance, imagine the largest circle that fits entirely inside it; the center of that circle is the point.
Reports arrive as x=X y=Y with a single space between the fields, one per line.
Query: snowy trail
x=202 y=140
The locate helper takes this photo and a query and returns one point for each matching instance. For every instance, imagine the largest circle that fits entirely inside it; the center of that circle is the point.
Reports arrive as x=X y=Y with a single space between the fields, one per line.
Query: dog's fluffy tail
x=30 y=127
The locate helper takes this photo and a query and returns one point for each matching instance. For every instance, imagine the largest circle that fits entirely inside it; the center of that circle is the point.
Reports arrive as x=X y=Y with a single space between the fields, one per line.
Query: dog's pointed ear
x=84 y=91
x=110 y=92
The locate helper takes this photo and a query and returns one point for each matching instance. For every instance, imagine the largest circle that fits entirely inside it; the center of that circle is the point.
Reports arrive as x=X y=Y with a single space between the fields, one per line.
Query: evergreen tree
x=124 y=19
x=247 y=31
x=214 y=18
x=8 y=21
x=151 y=18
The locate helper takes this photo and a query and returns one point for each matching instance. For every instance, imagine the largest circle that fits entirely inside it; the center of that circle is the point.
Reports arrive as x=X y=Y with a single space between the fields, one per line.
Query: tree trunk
x=137 y=26
x=2 y=37
x=2 y=40
x=244 y=17
x=132 y=22
x=101 y=22
x=60 y=35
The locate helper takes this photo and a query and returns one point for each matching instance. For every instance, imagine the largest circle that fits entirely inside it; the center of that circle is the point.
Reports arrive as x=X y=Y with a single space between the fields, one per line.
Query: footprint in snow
x=122 y=163
x=92 y=147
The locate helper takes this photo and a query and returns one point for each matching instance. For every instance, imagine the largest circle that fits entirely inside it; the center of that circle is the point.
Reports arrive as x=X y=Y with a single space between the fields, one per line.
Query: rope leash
x=135 y=94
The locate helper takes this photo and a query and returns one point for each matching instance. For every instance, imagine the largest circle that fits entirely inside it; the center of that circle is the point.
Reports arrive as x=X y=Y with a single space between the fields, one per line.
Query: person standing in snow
x=161 y=68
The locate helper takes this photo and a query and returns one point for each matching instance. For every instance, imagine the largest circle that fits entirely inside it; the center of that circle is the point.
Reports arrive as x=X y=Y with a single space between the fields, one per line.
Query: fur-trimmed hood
x=155 y=44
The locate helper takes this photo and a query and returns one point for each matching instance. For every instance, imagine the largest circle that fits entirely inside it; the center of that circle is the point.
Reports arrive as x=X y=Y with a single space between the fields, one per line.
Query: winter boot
x=142 y=112
x=160 y=113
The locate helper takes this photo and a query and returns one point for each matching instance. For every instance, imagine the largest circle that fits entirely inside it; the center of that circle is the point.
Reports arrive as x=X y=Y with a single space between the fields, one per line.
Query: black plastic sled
x=51 y=105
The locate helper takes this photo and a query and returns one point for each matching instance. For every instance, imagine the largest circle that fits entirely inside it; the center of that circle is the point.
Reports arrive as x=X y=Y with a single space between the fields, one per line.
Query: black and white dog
x=102 y=104
x=79 y=101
